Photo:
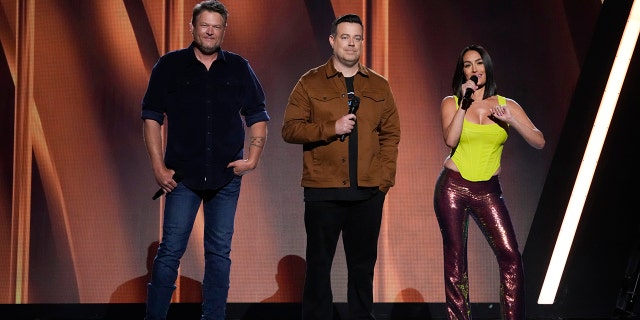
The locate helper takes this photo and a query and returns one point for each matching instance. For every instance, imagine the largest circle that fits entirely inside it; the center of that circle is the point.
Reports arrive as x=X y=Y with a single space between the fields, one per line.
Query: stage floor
x=244 y=311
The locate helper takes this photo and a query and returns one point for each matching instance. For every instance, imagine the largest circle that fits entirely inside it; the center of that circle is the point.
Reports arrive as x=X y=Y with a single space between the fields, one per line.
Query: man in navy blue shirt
x=204 y=93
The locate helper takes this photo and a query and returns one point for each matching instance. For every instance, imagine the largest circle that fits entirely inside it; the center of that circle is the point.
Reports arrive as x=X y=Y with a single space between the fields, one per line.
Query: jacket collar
x=330 y=69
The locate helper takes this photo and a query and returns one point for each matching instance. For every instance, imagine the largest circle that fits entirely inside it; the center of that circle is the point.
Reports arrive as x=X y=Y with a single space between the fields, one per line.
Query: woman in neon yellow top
x=475 y=129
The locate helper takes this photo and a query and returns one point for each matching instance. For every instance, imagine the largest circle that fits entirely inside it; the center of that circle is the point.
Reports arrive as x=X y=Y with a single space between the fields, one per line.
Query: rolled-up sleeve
x=153 y=115
x=254 y=104
x=152 y=102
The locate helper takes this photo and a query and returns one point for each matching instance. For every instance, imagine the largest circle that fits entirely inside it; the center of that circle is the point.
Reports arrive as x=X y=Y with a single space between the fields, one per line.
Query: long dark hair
x=490 y=87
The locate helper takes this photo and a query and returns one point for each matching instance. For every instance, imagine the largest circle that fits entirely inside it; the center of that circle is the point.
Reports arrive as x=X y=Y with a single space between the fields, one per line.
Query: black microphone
x=177 y=176
x=469 y=92
x=466 y=100
x=354 y=104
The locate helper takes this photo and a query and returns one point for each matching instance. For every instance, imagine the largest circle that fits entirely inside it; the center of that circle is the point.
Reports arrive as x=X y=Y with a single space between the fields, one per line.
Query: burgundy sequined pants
x=454 y=200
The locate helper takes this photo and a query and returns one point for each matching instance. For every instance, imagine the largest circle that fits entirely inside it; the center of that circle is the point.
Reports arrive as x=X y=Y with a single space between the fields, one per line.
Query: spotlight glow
x=591 y=156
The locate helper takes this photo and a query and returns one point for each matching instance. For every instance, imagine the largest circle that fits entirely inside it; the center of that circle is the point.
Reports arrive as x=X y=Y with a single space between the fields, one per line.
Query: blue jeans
x=181 y=208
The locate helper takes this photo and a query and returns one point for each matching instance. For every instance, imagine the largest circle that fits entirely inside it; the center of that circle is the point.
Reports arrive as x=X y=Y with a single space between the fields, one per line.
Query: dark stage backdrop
x=77 y=223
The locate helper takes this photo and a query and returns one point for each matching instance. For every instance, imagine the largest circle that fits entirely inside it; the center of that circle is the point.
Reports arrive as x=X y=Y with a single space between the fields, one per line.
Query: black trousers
x=359 y=222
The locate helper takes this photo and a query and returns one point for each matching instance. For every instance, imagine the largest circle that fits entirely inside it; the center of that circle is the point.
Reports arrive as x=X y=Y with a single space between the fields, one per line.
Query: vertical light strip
x=590 y=158
x=386 y=275
x=22 y=150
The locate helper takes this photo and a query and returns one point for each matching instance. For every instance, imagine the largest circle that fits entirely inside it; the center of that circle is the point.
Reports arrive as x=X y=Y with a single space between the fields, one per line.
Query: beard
x=208 y=50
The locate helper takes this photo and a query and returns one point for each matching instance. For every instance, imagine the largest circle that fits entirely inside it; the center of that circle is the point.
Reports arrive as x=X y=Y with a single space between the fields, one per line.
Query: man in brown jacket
x=348 y=167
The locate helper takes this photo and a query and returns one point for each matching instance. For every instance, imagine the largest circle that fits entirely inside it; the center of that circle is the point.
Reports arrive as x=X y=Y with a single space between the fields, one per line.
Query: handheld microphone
x=466 y=100
x=469 y=92
x=354 y=104
x=177 y=176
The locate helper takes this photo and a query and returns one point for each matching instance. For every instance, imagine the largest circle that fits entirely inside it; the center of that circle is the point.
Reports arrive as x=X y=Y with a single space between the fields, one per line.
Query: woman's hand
x=502 y=113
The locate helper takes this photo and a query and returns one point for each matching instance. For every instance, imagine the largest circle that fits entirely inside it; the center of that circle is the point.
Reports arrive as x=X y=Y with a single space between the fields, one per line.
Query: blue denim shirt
x=204 y=110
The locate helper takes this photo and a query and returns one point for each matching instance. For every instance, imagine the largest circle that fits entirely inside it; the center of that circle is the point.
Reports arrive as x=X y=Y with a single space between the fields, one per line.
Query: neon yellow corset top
x=479 y=150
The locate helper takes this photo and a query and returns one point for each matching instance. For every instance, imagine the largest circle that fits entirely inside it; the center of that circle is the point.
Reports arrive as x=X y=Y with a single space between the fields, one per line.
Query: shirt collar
x=221 y=53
